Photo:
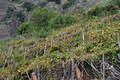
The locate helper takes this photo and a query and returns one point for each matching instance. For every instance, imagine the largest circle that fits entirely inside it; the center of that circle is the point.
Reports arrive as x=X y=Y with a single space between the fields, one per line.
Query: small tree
x=23 y=28
x=56 y=1
x=28 y=6
x=41 y=16
x=62 y=21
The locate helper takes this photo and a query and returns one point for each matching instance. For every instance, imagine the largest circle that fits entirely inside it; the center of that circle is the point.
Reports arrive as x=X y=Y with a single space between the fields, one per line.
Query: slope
x=79 y=41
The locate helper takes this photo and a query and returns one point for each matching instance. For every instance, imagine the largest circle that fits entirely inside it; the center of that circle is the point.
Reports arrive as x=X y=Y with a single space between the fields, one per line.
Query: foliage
x=23 y=28
x=68 y=43
x=103 y=2
x=57 y=1
x=108 y=2
x=61 y=21
x=38 y=24
x=42 y=3
x=105 y=8
x=41 y=16
x=43 y=22
x=17 y=1
x=68 y=4
x=117 y=2
x=102 y=10
x=10 y=11
x=28 y=6
x=13 y=13
x=84 y=40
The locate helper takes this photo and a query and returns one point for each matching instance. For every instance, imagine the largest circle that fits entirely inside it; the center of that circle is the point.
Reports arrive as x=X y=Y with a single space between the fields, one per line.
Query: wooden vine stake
x=103 y=62
x=118 y=38
x=73 y=70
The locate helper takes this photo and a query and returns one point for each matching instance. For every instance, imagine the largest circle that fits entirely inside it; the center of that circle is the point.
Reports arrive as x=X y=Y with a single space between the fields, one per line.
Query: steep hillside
x=51 y=45
x=10 y=10
x=80 y=41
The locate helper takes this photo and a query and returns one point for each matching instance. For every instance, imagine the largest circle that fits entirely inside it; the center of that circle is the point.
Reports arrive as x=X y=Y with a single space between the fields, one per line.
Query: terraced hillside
x=87 y=48
x=80 y=41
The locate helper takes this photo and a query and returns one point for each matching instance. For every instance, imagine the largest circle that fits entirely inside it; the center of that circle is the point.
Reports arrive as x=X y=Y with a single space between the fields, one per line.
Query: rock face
x=4 y=30
x=76 y=4
x=7 y=26
x=88 y=3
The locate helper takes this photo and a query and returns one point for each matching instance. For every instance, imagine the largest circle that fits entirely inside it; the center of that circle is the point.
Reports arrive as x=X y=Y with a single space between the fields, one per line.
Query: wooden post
x=28 y=76
x=38 y=74
x=73 y=70
x=118 y=38
x=64 y=71
x=103 y=68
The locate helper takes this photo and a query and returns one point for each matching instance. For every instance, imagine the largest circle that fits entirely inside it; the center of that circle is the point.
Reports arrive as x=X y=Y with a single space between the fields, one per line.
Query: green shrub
x=68 y=4
x=41 y=16
x=17 y=1
x=61 y=21
x=117 y=2
x=102 y=11
x=56 y=1
x=28 y=6
x=20 y=14
x=12 y=12
x=42 y=33
x=42 y=3
x=38 y=23
x=23 y=28
x=42 y=22
x=104 y=8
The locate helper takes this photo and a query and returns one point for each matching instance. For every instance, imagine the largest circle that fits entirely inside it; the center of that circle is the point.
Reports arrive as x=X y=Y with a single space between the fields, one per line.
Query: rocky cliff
x=4 y=30
x=8 y=19
x=11 y=13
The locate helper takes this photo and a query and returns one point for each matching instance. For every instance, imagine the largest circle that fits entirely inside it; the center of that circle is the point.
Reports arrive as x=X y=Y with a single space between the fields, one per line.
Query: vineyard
x=86 y=50
x=78 y=42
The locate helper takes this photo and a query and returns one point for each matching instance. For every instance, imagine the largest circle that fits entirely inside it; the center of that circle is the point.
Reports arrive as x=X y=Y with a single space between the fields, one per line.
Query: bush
x=12 y=12
x=42 y=33
x=56 y=1
x=102 y=11
x=38 y=23
x=62 y=21
x=42 y=22
x=68 y=4
x=42 y=3
x=41 y=16
x=20 y=15
x=17 y=1
x=23 y=28
x=117 y=2
x=105 y=8
x=28 y=6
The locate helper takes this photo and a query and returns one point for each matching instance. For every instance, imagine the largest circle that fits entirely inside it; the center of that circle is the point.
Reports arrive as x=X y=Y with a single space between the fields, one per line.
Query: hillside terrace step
x=4 y=31
x=2 y=12
x=3 y=26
